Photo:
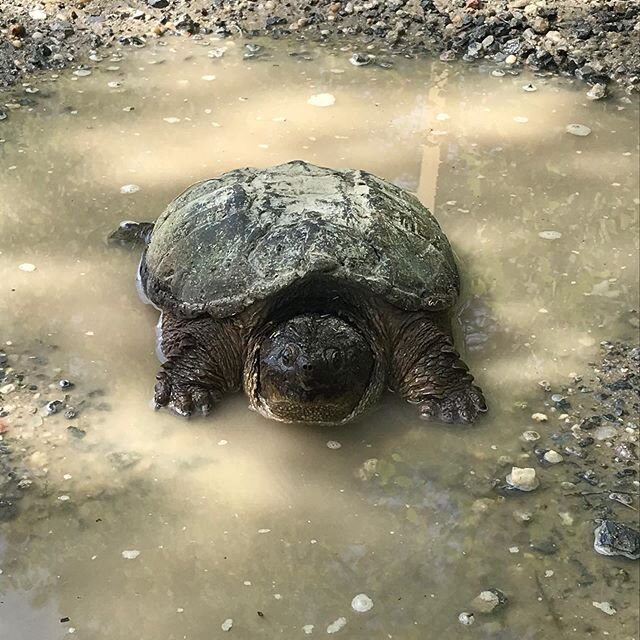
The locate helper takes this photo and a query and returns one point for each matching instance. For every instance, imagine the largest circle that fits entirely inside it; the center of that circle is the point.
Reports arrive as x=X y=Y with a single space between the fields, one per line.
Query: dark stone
x=158 y=4
x=614 y=539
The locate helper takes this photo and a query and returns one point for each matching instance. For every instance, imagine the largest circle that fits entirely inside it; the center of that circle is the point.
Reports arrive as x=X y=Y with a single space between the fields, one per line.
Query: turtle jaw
x=312 y=368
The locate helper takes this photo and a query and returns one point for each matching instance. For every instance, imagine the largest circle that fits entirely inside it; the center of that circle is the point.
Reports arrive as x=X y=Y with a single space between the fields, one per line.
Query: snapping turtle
x=313 y=289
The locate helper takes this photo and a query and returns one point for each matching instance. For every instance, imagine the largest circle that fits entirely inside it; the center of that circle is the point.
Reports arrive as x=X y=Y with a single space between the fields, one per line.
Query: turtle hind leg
x=131 y=234
x=428 y=371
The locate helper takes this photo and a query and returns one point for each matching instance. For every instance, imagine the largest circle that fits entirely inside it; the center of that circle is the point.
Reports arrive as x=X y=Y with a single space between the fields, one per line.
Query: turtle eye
x=289 y=355
x=335 y=358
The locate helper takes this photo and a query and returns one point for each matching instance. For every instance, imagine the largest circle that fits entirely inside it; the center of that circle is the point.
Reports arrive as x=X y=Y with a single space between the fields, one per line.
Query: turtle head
x=313 y=368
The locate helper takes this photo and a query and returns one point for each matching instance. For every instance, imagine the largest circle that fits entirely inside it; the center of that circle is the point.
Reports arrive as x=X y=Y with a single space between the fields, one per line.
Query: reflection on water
x=236 y=517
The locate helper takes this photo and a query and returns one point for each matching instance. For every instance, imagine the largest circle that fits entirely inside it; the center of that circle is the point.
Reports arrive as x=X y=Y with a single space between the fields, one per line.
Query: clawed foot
x=460 y=406
x=182 y=398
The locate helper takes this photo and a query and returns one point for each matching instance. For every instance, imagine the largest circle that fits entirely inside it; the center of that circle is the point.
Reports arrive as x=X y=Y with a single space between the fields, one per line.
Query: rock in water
x=523 y=479
x=489 y=600
x=614 y=539
x=597 y=92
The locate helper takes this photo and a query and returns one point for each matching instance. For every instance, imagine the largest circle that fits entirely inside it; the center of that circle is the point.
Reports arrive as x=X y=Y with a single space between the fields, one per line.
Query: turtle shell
x=246 y=235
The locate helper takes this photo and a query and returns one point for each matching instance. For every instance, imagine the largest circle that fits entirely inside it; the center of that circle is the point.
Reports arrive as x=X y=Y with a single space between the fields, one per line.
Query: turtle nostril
x=307 y=366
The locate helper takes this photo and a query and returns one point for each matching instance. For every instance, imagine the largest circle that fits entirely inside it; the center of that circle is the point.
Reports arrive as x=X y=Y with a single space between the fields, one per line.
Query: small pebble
x=530 y=88
x=466 y=618
x=539 y=417
x=362 y=603
x=579 y=130
x=336 y=625
x=523 y=479
x=333 y=444
x=605 y=607
x=530 y=436
x=227 y=624
x=550 y=235
x=489 y=600
x=129 y=188
x=130 y=554
x=552 y=457
x=27 y=267
x=322 y=100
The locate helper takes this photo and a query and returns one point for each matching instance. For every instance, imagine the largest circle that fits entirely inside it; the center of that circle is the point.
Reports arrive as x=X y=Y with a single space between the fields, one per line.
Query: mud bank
x=595 y=41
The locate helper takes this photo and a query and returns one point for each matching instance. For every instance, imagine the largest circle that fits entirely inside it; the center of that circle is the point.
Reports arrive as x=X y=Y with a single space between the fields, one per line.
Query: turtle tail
x=131 y=234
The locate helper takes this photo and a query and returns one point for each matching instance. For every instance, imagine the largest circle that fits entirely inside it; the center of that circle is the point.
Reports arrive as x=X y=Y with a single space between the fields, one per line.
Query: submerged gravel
x=593 y=40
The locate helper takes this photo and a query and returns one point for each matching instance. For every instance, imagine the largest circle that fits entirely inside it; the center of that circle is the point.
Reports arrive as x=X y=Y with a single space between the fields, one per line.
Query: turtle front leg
x=428 y=371
x=203 y=363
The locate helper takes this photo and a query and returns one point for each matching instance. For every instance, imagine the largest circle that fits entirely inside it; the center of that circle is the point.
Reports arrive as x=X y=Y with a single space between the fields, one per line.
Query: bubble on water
x=129 y=188
x=227 y=624
x=336 y=625
x=578 y=130
x=171 y=120
x=362 y=603
x=130 y=554
x=333 y=444
x=221 y=443
x=264 y=530
x=550 y=235
x=322 y=100
x=208 y=78
x=64 y=498
x=27 y=267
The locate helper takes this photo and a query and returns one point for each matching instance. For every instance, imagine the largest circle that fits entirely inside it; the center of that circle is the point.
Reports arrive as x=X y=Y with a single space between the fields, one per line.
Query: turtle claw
x=182 y=399
x=462 y=406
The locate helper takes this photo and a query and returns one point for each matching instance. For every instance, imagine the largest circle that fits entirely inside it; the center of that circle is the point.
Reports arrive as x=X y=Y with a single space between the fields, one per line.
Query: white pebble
x=130 y=554
x=578 y=130
x=322 y=100
x=466 y=618
x=227 y=624
x=333 y=444
x=550 y=235
x=336 y=625
x=27 y=267
x=82 y=73
x=37 y=14
x=552 y=457
x=129 y=188
x=208 y=78
x=604 y=607
x=523 y=478
x=539 y=417
x=64 y=498
x=171 y=120
x=362 y=603
x=521 y=119
x=308 y=629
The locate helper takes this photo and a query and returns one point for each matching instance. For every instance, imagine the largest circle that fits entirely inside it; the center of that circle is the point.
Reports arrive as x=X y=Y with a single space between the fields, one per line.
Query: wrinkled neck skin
x=319 y=298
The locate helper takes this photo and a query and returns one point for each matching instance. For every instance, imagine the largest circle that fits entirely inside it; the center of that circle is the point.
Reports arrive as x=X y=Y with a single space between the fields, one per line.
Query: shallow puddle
x=153 y=527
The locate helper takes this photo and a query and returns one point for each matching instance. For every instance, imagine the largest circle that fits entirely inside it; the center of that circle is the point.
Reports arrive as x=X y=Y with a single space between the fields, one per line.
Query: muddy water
x=151 y=527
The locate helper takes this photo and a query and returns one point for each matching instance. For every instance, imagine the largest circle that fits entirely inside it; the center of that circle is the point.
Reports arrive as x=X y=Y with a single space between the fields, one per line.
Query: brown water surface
x=235 y=517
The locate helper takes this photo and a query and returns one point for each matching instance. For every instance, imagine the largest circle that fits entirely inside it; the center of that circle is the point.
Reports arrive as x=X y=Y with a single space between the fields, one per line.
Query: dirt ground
x=594 y=40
